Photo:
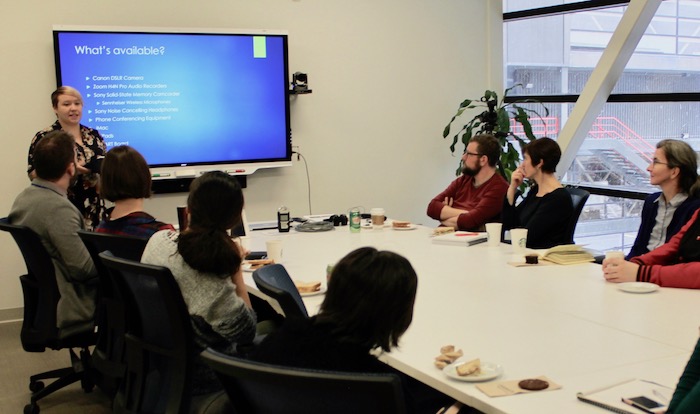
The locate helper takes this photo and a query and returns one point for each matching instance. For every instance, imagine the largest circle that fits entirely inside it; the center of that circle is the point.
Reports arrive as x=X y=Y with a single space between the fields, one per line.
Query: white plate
x=316 y=293
x=247 y=267
x=489 y=371
x=371 y=227
x=410 y=227
x=638 y=287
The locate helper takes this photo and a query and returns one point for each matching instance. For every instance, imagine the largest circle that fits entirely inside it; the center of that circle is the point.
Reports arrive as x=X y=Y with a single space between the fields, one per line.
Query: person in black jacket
x=547 y=208
x=674 y=170
x=368 y=306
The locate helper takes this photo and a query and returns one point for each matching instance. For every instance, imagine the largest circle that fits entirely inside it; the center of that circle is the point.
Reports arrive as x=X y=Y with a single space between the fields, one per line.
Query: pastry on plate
x=258 y=263
x=308 y=287
x=400 y=224
x=472 y=367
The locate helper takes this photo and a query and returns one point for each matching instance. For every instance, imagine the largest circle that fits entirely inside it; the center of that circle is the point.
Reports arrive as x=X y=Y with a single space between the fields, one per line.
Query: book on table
x=566 y=254
x=611 y=396
x=461 y=238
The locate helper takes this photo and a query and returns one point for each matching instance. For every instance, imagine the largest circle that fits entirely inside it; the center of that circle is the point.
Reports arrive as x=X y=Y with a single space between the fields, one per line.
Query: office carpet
x=16 y=366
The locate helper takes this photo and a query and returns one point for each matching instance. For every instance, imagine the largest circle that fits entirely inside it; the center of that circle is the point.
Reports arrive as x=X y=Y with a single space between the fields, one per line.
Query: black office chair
x=254 y=387
x=578 y=199
x=274 y=281
x=108 y=355
x=127 y=247
x=39 y=327
x=159 y=344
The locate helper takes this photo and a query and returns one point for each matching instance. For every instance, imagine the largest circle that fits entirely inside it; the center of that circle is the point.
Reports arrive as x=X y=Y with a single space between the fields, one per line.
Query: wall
x=386 y=76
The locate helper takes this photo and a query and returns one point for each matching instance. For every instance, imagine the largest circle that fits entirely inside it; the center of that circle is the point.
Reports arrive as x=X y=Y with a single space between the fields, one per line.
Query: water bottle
x=355 y=220
x=283 y=219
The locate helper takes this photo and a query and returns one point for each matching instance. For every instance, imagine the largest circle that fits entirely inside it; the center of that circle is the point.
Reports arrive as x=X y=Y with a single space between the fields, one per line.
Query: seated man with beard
x=44 y=207
x=475 y=198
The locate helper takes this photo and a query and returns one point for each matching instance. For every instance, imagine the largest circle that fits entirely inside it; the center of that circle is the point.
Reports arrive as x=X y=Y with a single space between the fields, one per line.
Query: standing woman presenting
x=68 y=106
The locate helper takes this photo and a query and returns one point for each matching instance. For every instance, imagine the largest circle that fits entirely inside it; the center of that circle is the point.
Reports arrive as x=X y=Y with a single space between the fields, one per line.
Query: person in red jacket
x=673 y=264
x=476 y=197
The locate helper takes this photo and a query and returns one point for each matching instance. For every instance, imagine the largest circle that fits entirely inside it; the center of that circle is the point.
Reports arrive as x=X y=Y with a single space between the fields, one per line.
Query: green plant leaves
x=498 y=121
x=503 y=121
x=465 y=104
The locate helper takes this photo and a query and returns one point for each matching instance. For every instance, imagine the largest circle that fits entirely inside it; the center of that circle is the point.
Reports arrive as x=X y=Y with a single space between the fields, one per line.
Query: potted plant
x=494 y=118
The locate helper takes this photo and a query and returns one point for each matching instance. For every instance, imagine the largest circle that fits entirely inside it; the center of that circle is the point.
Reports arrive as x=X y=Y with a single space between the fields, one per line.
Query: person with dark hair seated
x=45 y=208
x=675 y=170
x=125 y=180
x=368 y=306
x=547 y=209
x=674 y=264
x=476 y=197
x=206 y=264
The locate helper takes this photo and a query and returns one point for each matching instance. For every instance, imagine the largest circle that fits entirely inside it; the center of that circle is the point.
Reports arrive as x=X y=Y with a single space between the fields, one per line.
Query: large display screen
x=186 y=100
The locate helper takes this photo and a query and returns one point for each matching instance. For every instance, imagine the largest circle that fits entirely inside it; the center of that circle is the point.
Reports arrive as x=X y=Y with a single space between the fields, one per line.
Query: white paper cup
x=518 y=238
x=377 y=215
x=614 y=254
x=493 y=230
x=244 y=242
x=274 y=250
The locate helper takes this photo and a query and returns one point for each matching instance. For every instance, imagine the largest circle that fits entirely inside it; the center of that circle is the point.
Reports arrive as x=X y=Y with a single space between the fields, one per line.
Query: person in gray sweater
x=206 y=264
x=44 y=207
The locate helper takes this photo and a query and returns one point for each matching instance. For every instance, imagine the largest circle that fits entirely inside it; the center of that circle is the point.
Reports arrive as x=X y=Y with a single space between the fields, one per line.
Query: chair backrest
x=39 y=288
x=274 y=281
x=255 y=387
x=108 y=354
x=578 y=199
x=159 y=344
x=127 y=247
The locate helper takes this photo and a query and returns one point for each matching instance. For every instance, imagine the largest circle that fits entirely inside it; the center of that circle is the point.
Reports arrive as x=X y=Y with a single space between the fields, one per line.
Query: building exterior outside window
x=554 y=55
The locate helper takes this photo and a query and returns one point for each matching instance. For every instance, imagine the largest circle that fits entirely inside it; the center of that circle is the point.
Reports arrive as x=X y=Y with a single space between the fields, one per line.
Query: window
x=658 y=96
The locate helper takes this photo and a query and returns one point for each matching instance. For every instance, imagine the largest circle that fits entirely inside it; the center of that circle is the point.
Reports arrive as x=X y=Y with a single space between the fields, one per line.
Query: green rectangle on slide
x=259 y=47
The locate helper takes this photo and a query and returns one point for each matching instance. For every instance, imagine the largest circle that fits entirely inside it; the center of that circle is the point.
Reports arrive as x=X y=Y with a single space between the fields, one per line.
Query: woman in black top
x=368 y=305
x=90 y=148
x=547 y=209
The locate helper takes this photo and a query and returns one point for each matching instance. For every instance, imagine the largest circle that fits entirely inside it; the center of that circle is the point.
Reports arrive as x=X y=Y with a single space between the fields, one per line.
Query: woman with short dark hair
x=547 y=209
x=370 y=283
x=125 y=180
x=368 y=305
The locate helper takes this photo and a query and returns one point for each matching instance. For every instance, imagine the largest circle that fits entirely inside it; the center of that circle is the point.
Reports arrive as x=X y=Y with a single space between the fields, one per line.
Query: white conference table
x=564 y=322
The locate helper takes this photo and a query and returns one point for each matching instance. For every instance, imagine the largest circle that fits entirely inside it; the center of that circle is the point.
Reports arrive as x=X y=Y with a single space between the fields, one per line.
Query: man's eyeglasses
x=476 y=154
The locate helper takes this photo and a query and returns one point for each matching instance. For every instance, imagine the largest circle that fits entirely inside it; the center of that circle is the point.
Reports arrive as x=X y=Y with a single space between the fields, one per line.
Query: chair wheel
x=35 y=386
x=31 y=408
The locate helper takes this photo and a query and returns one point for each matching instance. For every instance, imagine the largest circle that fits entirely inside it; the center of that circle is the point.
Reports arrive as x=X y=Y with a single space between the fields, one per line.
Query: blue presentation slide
x=182 y=99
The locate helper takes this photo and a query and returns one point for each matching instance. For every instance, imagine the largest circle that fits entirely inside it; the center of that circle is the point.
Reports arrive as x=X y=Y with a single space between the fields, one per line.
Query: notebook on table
x=461 y=238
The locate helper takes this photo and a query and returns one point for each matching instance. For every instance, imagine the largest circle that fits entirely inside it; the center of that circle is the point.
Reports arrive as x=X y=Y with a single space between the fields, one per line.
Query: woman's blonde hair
x=64 y=90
